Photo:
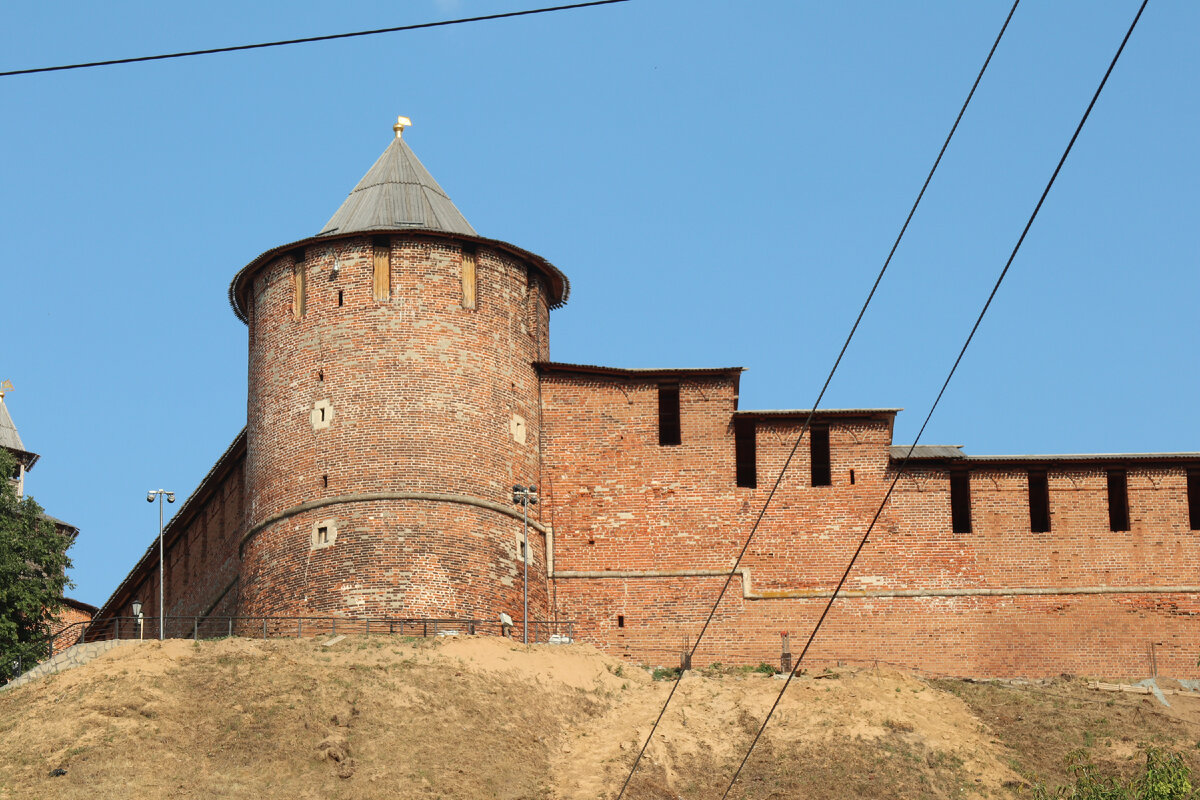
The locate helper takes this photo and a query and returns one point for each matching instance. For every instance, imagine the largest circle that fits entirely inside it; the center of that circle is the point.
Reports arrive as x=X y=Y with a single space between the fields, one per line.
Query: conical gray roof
x=9 y=437
x=397 y=192
x=11 y=440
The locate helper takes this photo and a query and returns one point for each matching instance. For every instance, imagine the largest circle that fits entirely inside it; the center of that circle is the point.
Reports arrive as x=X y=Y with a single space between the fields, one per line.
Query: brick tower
x=393 y=404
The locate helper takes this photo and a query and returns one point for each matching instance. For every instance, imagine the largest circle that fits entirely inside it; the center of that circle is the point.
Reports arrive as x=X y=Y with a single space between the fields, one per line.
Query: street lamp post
x=137 y=612
x=162 y=610
x=525 y=497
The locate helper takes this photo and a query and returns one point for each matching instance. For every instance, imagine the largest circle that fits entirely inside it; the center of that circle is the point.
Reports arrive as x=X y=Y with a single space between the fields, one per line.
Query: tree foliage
x=33 y=574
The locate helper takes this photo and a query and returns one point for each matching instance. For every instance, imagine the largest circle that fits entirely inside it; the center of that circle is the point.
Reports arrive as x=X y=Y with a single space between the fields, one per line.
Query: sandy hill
x=384 y=717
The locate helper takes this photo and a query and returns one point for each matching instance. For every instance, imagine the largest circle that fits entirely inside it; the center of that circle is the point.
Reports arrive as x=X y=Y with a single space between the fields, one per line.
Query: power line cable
x=812 y=411
x=904 y=463
x=306 y=40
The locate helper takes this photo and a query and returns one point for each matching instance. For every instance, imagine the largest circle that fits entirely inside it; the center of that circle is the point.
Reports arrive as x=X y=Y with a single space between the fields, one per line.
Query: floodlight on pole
x=162 y=611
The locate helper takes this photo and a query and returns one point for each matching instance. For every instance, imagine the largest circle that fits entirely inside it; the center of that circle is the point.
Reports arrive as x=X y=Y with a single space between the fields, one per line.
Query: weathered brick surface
x=396 y=559
x=423 y=394
x=979 y=636
x=67 y=616
x=200 y=556
x=621 y=503
x=435 y=410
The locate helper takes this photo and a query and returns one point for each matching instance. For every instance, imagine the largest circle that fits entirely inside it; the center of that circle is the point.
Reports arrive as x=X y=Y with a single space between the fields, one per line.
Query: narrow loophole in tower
x=1193 y=494
x=818 y=443
x=1039 y=502
x=851 y=477
x=340 y=297
x=1118 y=500
x=745 y=453
x=668 y=414
x=325 y=481
x=960 y=501
x=620 y=620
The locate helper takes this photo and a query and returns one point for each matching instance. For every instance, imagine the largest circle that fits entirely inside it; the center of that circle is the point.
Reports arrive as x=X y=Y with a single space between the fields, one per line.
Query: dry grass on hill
x=384 y=717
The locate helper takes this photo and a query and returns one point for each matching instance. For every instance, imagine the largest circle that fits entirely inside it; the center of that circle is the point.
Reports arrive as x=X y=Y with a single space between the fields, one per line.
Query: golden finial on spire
x=5 y=387
x=401 y=124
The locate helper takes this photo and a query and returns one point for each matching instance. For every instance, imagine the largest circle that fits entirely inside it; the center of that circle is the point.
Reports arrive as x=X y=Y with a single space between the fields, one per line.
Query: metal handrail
x=42 y=648
x=66 y=636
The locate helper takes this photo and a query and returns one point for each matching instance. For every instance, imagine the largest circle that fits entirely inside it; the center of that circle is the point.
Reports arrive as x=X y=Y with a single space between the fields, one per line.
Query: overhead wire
x=820 y=395
x=904 y=463
x=306 y=40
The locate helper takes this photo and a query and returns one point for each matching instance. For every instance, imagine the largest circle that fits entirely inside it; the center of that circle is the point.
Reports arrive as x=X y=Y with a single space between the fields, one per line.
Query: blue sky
x=720 y=181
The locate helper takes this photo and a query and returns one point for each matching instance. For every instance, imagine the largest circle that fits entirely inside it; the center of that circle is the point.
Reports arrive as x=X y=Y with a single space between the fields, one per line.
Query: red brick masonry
x=385 y=434
x=72 y=612
x=642 y=533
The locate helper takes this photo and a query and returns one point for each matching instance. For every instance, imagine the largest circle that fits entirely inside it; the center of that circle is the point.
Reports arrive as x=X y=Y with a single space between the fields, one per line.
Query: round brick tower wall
x=385 y=435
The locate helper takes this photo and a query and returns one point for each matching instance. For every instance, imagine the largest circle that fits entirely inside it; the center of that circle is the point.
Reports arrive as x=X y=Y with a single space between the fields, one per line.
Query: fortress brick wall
x=200 y=555
x=643 y=533
x=400 y=387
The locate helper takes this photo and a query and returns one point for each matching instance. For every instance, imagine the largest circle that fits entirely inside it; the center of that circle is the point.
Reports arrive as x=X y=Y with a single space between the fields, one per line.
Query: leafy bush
x=665 y=673
x=1166 y=777
x=716 y=668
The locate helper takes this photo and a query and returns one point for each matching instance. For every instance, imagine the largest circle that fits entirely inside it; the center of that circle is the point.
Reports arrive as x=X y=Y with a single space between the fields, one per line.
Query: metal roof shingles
x=923 y=451
x=9 y=437
x=634 y=372
x=941 y=452
x=398 y=192
x=820 y=412
x=1033 y=458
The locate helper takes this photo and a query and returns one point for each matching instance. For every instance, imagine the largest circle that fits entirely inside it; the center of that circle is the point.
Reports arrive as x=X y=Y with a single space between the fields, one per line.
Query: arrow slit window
x=1039 y=502
x=818 y=442
x=1118 y=500
x=960 y=501
x=745 y=452
x=668 y=414
x=1193 y=494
